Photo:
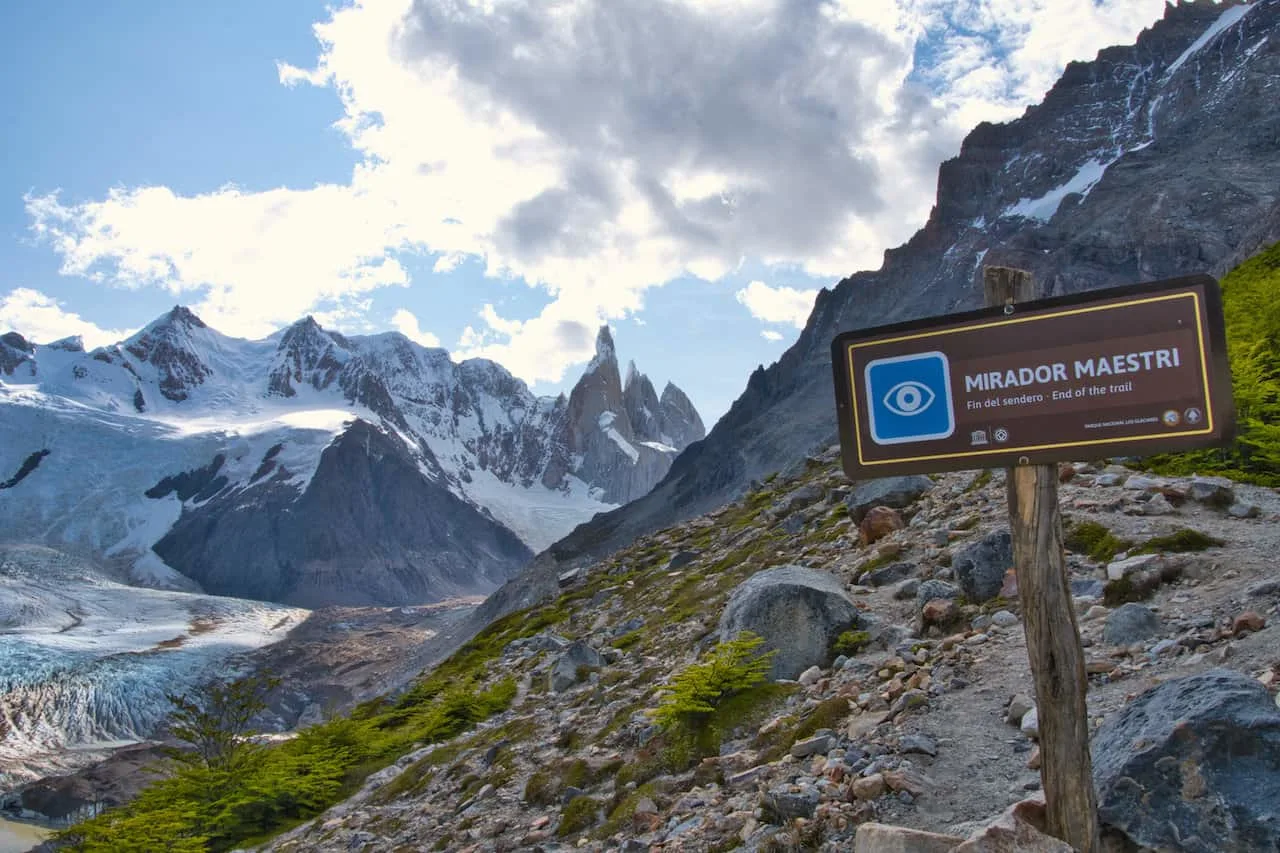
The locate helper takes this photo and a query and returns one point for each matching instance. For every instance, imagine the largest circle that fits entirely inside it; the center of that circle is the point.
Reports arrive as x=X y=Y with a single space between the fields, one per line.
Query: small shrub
x=1180 y=541
x=626 y=641
x=1095 y=541
x=580 y=814
x=732 y=667
x=542 y=788
x=979 y=481
x=850 y=643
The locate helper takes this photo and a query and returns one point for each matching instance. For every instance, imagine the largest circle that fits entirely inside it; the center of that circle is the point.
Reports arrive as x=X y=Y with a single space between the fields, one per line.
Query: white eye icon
x=909 y=398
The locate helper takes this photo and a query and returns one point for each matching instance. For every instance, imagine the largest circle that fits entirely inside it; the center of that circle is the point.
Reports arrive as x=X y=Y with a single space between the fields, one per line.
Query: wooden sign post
x=1049 y=619
x=1024 y=384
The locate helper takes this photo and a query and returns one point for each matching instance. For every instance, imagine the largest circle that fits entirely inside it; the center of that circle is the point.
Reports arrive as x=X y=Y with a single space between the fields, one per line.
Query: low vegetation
x=1094 y=541
x=223 y=790
x=1251 y=303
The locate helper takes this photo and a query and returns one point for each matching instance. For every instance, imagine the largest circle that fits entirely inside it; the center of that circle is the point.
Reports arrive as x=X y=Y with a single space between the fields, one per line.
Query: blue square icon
x=909 y=398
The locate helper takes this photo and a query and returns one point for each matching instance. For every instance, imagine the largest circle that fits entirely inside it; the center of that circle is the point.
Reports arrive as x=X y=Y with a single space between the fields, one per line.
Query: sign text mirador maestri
x=1140 y=369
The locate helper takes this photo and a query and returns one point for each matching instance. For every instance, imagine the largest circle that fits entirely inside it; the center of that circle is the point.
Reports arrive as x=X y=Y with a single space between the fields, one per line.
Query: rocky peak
x=71 y=343
x=641 y=403
x=605 y=351
x=14 y=350
x=171 y=345
x=306 y=354
x=679 y=422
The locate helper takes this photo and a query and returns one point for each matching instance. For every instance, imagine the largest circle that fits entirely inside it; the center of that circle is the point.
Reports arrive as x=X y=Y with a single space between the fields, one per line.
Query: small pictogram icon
x=1171 y=418
x=1193 y=416
x=1001 y=435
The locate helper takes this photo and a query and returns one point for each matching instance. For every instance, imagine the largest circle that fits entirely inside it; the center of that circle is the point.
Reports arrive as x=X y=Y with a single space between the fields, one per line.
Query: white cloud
x=40 y=319
x=771 y=335
x=407 y=324
x=597 y=149
x=777 y=304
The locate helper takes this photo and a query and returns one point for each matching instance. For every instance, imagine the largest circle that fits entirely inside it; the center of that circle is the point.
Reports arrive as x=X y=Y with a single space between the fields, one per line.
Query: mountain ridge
x=252 y=421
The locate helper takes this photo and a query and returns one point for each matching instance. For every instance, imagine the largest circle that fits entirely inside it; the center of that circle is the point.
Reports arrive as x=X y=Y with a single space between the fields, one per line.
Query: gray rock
x=918 y=745
x=817 y=745
x=980 y=566
x=1019 y=706
x=894 y=492
x=810 y=676
x=1191 y=765
x=1265 y=588
x=1132 y=565
x=1130 y=623
x=782 y=804
x=635 y=623
x=886 y=575
x=1030 y=725
x=1215 y=491
x=798 y=499
x=1158 y=505
x=681 y=559
x=799 y=612
x=1109 y=479
x=1088 y=588
x=1243 y=510
x=1143 y=483
x=931 y=589
x=571 y=577
x=564 y=672
x=1003 y=619
x=906 y=590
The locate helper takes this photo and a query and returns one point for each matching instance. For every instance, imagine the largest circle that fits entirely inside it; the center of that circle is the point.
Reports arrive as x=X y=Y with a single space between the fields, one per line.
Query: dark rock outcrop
x=980 y=566
x=894 y=492
x=1193 y=765
x=798 y=612
x=369 y=529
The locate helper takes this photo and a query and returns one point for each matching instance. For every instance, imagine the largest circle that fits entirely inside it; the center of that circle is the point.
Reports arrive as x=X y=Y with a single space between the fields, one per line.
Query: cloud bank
x=596 y=150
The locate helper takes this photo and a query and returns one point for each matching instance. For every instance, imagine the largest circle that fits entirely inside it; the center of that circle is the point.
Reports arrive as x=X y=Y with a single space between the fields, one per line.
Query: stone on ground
x=1193 y=765
x=894 y=492
x=1130 y=623
x=798 y=612
x=883 y=838
x=980 y=566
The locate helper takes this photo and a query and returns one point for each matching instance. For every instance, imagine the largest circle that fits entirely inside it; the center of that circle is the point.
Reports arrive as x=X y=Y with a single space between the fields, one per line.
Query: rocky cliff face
x=623 y=435
x=312 y=467
x=1154 y=160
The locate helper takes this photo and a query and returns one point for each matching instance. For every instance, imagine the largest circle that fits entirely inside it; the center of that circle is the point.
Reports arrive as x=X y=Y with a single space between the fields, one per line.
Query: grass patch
x=979 y=482
x=1180 y=541
x=1095 y=541
x=849 y=643
x=581 y=813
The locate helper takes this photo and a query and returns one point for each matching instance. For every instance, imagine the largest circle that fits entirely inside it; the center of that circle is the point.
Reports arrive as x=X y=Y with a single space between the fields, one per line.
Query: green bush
x=581 y=813
x=731 y=668
x=1251 y=303
x=1179 y=541
x=849 y=643
x=711 y=698
x=1094 y=540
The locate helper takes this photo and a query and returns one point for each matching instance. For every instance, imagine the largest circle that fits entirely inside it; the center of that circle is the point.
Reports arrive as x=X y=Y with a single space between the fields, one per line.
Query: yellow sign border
x=1193 y=295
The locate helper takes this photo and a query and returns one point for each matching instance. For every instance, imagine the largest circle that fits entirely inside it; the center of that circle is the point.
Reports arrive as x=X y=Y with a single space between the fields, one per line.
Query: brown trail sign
x=1027 y=384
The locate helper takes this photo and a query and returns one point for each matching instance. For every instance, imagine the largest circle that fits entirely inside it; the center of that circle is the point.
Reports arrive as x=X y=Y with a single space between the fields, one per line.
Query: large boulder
x=980 y=566
x=798 y=612
x=570 y=667
x=893 y=492
x=1193 y=765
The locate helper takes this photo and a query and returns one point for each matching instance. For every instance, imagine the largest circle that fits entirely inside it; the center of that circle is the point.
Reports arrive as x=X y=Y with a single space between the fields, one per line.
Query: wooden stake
x=1049 y=620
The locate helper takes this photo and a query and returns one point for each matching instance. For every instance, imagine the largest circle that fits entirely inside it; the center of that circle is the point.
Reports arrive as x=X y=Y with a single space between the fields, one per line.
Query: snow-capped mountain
x=311 y=467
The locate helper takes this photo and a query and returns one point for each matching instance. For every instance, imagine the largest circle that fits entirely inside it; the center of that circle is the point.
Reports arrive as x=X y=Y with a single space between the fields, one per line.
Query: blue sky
x=496 y=182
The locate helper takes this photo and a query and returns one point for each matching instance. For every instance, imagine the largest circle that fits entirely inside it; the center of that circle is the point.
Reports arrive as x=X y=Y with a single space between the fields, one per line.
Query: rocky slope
x=924 y=721
x=310 y=467
x=1154 y=160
